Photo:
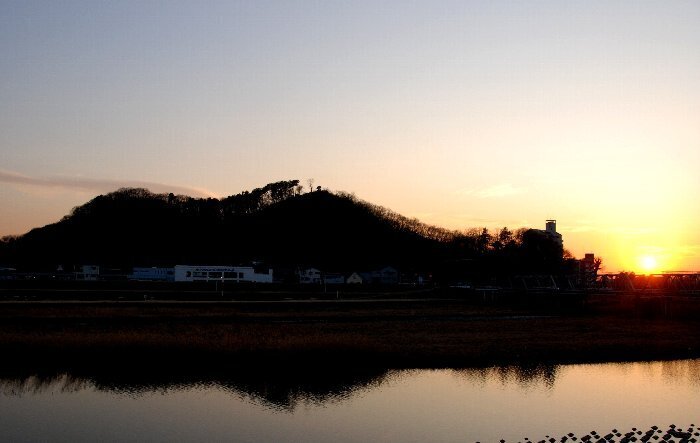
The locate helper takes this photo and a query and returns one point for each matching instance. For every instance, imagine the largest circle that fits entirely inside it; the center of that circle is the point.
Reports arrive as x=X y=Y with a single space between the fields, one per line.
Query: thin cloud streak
x=98 y=185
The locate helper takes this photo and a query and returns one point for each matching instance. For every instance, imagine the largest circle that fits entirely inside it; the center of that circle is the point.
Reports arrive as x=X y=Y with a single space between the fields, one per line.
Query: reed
x=393 y=335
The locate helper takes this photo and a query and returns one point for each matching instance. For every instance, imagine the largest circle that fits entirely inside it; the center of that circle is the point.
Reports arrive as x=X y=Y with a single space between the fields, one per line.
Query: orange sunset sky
x=460 y=113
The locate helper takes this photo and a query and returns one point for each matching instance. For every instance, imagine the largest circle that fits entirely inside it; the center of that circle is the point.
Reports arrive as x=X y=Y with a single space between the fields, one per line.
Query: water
x=465 y=405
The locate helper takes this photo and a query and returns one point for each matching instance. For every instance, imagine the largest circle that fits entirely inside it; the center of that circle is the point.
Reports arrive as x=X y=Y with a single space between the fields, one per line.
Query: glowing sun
x=649 y=263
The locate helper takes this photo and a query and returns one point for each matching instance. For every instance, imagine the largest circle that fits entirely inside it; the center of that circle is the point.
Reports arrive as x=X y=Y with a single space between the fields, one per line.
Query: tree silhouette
x=275 y=224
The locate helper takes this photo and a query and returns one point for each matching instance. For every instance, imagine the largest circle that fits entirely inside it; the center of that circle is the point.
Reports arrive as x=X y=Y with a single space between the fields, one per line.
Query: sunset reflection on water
x=483 y=404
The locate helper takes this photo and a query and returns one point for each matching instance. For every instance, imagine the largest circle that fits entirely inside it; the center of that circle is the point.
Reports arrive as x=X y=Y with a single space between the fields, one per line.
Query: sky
x=460 y=113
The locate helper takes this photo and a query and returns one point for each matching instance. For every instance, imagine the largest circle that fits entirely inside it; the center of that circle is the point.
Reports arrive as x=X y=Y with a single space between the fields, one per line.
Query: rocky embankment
x=673 y=433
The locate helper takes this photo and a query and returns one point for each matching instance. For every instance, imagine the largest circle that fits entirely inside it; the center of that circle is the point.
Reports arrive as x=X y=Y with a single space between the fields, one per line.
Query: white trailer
x=234 y=274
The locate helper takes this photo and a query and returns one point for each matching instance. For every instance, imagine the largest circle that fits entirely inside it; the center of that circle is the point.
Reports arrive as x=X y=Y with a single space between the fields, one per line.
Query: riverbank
x=377 y=333
x=670 y=433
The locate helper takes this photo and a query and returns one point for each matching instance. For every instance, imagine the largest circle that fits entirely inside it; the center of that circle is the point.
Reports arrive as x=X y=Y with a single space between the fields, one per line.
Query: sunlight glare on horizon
x=464 y=114
x=649 y=263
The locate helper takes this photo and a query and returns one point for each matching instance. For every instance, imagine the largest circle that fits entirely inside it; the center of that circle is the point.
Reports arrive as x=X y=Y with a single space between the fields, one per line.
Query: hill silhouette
x=275 y=224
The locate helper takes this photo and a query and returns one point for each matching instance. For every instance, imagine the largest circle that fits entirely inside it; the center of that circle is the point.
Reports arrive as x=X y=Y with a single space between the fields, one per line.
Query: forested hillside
x=275 y=224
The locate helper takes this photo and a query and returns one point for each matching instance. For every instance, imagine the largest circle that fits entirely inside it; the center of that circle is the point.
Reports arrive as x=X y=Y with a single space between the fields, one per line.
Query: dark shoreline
x=421 y=333
x=285 y=352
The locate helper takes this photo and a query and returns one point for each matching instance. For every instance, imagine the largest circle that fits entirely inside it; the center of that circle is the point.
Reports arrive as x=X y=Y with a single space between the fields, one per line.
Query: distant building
x=387 y=276
x=384 y=276
x=551 y=232
x=414 y=278
x=310 y=276
x=234 y=274
x=88 y=273
x=330 y=278
x=7 y=273
x=587 y=271
x=152 y=274
x=113 y=274
x=354 y=279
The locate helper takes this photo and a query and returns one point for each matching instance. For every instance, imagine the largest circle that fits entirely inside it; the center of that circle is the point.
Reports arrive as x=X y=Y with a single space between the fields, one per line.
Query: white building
x=310 y=275
x=354 y=279
x=152 y=274
x=88 y=273
x=333 y=278
x=551 y=232
x=234 y=274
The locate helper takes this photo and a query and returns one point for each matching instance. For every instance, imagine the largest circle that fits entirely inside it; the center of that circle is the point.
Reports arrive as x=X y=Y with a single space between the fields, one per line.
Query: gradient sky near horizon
x=460 y=113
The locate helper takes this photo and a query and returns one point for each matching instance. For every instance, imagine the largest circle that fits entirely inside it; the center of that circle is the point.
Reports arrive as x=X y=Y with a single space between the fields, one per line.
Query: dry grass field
x=392 y=334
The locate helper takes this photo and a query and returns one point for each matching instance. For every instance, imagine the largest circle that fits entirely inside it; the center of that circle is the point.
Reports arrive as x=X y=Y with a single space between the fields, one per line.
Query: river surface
x=446 y=405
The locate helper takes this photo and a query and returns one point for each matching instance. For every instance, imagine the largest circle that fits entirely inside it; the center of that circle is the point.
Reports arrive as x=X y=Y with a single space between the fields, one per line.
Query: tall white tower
x=551 y=231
